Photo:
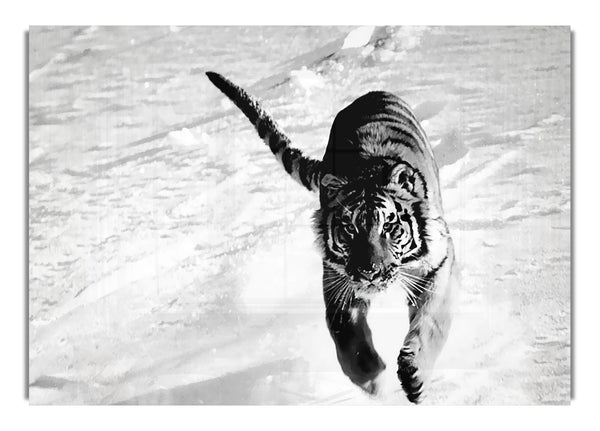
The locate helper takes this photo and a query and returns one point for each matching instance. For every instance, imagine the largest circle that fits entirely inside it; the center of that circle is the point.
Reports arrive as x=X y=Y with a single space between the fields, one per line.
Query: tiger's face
x=369 y=231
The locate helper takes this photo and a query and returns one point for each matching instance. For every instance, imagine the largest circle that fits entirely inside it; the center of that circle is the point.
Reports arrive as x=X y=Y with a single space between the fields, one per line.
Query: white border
x=20 y=15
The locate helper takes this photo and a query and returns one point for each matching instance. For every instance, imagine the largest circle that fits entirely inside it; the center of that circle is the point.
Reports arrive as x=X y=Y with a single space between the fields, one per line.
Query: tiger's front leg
x=428 y=330
x=354 y=345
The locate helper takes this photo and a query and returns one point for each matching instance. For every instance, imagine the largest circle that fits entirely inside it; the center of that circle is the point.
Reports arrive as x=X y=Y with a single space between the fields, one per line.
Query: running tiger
x=380 y=225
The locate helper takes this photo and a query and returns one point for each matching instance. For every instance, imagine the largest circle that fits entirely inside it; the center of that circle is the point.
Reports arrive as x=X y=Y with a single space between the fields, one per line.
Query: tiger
x=380 y=225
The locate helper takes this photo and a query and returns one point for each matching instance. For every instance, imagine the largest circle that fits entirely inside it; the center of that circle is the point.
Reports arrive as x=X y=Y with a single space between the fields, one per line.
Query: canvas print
x=299 y=215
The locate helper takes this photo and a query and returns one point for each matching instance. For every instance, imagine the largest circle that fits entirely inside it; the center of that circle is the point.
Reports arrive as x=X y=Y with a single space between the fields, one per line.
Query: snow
x=306 y=80
x=173 y=261
x=358 y=37
x=182 y=137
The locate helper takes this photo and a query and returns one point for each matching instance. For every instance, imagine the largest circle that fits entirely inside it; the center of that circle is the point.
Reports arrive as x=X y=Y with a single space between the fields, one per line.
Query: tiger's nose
x=369 y=271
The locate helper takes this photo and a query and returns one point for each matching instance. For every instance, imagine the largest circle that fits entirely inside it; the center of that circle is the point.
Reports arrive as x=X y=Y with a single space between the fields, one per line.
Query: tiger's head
x=370 y=227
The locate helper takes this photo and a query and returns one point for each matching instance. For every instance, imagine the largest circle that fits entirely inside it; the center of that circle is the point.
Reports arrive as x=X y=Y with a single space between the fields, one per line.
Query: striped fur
x=379 y=163
x=380 y=225
x=303 y=169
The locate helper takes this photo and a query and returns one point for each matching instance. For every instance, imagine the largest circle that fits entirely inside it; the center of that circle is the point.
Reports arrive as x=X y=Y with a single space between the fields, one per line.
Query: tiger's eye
x=349 y=228
x=390 y=222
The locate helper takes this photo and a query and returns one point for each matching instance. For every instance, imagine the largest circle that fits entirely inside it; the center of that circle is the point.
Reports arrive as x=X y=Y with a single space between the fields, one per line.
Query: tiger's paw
x=375 y=386
x=365 y=369
x=410 y=376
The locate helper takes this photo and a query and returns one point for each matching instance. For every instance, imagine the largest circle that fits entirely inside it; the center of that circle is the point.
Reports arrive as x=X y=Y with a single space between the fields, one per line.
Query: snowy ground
x=172 y=260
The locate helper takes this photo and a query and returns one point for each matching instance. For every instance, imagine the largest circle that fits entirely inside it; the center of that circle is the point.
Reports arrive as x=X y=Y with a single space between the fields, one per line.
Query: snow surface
x=172 y=260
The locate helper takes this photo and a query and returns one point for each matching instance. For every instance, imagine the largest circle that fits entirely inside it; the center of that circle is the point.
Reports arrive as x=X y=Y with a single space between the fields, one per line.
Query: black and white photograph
x=305 y=215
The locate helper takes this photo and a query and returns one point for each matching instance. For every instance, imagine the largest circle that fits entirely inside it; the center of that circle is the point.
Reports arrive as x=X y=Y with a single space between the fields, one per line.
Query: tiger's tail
x=303 y=169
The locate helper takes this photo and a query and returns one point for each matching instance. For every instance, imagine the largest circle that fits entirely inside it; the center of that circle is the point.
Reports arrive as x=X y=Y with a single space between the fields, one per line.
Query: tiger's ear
x=331 y=185
x=409 y=180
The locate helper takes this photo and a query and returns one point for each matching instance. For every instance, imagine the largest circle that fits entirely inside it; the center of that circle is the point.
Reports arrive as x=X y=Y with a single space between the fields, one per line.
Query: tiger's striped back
x=375 y=129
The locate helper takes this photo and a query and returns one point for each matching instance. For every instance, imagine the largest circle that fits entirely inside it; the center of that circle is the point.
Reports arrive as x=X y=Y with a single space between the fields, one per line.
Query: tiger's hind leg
x=354 y=345
x=428 y=331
